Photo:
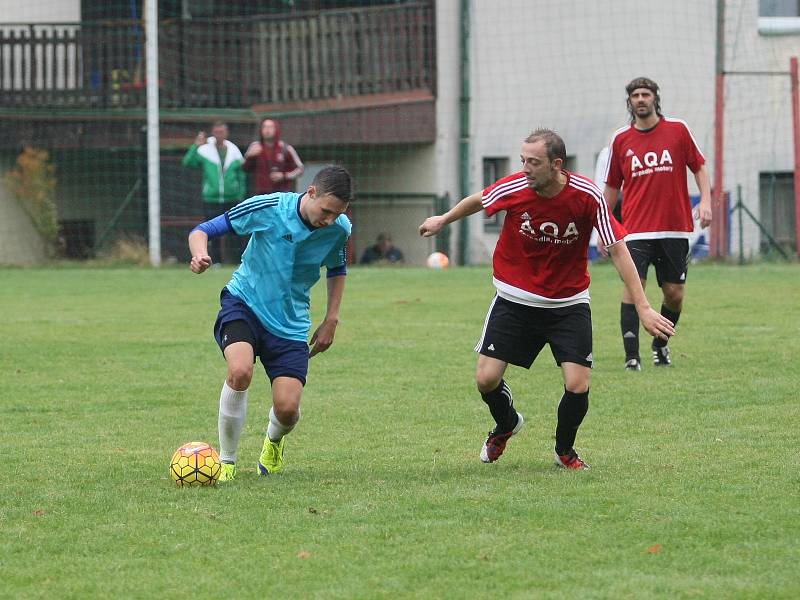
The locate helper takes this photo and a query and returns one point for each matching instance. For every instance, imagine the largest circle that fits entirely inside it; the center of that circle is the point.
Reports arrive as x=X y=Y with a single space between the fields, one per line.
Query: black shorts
x=516 y=333
x=670 y=257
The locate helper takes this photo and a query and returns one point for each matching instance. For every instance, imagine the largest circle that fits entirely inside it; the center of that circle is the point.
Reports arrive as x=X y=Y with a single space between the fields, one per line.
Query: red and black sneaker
x=496 y=442
x=571 y=460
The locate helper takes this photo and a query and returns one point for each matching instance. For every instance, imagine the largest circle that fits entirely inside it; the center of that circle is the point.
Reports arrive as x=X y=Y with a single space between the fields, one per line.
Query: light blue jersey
x=282 y=261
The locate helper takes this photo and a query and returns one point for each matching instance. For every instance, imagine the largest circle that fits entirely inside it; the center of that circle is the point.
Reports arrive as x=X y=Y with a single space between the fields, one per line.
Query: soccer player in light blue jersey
x=265 y=306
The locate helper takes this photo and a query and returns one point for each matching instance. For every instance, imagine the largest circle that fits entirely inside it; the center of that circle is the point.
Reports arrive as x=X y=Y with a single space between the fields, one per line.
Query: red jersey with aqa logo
x=650 y=167
x=541 y=256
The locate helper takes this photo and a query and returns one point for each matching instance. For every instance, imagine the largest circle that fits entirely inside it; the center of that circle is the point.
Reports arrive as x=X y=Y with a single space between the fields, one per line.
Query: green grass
x=692 y=492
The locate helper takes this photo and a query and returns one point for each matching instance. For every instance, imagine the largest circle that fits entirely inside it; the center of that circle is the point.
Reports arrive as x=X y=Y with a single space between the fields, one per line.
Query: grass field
x=693 y=491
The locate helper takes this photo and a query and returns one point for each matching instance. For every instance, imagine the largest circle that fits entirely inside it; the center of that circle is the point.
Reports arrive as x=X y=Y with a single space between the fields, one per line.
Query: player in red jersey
x=648 y=160
x=542 y=282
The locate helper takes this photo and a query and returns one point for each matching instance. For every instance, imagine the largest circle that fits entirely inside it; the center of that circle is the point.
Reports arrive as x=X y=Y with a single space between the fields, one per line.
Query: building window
x=779 y=17
x=776 y=197
x=779 y=8
x=494 y=169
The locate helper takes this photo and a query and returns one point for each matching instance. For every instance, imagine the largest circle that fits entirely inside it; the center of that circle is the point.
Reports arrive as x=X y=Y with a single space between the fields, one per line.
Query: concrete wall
x=448 y=90
x=20 y=244
x=396 y=171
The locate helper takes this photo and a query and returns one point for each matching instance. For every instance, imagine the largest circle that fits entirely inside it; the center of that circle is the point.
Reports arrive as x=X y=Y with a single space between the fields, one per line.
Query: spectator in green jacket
x=224 y=181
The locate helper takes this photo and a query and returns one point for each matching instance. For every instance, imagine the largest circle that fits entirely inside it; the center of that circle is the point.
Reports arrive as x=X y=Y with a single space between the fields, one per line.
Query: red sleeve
x=611 y=231
x=249 y=163
x=497 y=196
x=614 y=177
x=694 y=158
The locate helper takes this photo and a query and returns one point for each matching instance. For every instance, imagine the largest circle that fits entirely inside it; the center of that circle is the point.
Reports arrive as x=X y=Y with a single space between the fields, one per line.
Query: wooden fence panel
x=233 y=63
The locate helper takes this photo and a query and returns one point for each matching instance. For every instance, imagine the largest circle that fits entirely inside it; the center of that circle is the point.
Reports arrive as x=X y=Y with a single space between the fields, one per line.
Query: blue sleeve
x=337 y=271
x=257 y=213
x=337 y=257
x=216 y=227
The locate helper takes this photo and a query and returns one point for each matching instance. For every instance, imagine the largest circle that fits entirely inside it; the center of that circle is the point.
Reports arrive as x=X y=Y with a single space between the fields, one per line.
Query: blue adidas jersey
x=282 y=260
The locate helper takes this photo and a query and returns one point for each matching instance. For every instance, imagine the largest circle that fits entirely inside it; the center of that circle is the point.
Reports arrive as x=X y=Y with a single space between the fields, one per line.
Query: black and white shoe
x=633 y=364
x=662 y=357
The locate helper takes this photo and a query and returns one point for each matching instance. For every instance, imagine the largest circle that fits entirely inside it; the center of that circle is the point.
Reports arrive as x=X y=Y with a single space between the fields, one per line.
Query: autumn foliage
x=33 y=183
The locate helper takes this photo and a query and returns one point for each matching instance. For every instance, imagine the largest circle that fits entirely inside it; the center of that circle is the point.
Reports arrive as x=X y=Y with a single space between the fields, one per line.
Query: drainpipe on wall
x=464 y=183
x=719 y=212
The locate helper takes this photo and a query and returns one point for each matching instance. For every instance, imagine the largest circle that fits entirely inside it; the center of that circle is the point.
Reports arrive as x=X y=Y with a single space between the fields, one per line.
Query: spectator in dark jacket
x=275 y=165
x=383 y=252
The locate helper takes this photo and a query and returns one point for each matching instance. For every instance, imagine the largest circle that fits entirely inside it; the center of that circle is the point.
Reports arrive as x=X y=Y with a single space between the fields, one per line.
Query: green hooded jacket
x=221 y=182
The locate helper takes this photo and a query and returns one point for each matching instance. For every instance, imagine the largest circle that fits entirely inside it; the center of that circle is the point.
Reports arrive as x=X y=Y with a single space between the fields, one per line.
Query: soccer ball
x=195 y=463
x=438 y=260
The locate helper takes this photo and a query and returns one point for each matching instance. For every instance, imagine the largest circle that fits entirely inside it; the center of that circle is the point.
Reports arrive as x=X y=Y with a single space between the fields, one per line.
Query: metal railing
x=233 y=63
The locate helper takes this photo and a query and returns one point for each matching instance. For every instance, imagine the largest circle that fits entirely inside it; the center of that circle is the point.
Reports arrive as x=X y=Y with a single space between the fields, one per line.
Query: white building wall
x=448 y=89
x=758 y=111
x=394 y=170
x=41 y=11
x=565 y=65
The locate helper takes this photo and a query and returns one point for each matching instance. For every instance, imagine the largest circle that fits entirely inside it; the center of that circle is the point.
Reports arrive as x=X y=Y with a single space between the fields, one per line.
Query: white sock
x=232 y=414
x=276 y=430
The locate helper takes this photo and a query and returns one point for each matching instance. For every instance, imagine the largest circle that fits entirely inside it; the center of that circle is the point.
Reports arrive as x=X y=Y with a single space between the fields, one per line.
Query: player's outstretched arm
x=198 y=247
x=654 y=323
x=468 y=206
x=324 y=334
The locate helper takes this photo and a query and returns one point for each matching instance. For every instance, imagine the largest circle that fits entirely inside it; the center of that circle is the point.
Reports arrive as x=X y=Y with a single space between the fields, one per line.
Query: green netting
x=422 y=101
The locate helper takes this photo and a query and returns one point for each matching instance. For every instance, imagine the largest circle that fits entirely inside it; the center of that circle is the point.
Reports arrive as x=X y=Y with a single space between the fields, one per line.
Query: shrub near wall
x=32 y=181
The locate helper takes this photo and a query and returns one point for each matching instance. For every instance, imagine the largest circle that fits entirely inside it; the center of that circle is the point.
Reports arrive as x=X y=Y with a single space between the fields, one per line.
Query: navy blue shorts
x=279 y=356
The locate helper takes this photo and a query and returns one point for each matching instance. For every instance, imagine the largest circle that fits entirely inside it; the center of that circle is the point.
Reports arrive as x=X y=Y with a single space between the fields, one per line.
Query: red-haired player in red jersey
x=542 y=282
x=648 y=160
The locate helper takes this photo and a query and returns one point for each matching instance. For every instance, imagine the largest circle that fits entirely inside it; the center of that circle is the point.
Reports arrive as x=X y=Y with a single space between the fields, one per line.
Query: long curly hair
x=647 y=83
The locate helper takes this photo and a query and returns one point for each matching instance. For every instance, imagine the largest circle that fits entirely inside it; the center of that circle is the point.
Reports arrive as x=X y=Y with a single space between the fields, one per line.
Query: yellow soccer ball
x=195 y=463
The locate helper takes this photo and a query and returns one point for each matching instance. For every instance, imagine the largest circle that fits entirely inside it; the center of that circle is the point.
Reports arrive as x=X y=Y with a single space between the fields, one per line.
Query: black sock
x=571 y=410
x=501 y=405
x=672 y=316
x=629 y=324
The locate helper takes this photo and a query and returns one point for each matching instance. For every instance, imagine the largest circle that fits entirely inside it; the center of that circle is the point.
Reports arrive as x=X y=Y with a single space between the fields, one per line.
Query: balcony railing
x=221 y=64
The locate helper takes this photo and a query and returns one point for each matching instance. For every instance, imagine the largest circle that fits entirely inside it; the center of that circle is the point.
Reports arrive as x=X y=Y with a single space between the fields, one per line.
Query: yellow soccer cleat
x=271 y=460
x=227 y=472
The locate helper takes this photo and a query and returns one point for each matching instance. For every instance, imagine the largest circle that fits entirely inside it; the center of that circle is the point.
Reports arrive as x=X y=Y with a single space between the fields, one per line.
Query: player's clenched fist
x=254 y=150
x=200 y=263
x=431 y=226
